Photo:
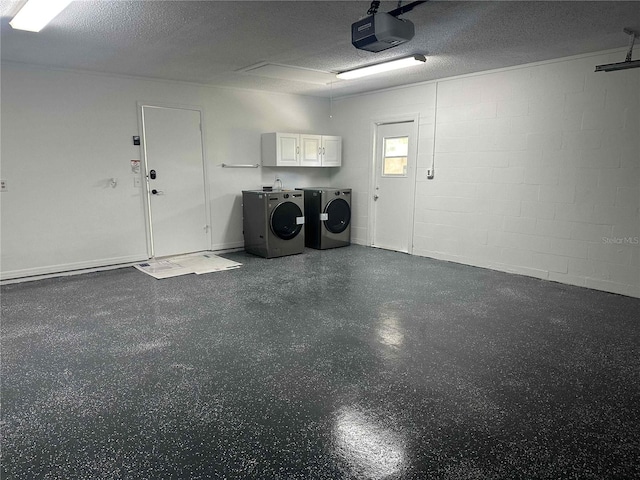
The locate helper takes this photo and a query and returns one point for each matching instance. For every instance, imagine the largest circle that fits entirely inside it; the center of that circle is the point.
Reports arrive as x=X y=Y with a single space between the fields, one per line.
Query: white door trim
x=145 y=169
x=401 y=118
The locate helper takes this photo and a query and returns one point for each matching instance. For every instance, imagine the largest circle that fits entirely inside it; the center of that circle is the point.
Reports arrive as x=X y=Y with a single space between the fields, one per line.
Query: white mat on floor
x=184 y=264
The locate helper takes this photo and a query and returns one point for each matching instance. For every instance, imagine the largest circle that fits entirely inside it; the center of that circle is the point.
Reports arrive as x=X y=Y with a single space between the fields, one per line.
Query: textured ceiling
x=216 y=42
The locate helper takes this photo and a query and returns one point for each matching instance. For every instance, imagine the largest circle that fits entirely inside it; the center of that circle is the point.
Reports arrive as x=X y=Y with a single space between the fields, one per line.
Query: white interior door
x=393 y=186
x=175 y=180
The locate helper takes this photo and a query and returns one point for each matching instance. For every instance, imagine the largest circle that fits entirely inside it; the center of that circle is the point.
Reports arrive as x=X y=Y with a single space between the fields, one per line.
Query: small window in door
x=394 y=160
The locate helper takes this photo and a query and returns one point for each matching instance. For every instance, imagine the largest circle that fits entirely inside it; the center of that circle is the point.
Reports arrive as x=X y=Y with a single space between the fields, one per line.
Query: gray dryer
x=327 y=214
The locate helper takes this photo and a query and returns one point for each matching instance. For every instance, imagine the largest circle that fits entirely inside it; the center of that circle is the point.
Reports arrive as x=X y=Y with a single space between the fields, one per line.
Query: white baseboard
x=227 y=247
x=68 y=268
x=585 y=282
x=39 y=273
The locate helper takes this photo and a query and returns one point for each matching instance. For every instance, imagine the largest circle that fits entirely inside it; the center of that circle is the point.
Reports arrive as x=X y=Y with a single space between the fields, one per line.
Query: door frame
x=412 y=174
x=145 y=169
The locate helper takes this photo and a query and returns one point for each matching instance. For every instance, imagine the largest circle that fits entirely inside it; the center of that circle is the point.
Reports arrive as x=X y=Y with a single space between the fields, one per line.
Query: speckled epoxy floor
x=348 y=363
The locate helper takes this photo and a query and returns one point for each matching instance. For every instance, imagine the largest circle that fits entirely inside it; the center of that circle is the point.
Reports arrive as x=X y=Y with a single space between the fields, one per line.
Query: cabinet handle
x=297 y=150
x=322 y=150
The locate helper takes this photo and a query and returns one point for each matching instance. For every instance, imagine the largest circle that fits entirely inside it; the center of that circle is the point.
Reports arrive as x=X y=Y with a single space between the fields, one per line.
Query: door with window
x=174 y=165
x=393 y=188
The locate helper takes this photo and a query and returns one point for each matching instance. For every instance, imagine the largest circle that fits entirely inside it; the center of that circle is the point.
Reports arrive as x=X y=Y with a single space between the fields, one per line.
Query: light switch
x=136 y=182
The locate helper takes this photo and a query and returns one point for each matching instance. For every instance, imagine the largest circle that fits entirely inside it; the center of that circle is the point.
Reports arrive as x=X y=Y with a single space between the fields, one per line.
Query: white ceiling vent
x=287 y=72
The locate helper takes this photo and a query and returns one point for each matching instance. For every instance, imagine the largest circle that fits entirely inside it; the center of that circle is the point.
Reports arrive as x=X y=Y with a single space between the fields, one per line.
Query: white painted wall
x=537 y=169
x=66 y=134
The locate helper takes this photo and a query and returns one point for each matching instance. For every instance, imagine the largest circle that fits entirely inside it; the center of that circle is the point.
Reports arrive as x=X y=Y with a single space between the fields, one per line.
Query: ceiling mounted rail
x=628 y=63
x=405 y=8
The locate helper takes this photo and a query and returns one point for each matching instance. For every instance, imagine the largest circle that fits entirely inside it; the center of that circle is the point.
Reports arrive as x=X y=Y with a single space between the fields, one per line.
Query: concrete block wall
x=537 y=170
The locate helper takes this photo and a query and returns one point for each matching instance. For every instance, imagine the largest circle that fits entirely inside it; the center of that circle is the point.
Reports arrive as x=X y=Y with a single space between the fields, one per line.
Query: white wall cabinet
x=284 y=149
x=301 y=150
x=311 y=150
x=331 y=151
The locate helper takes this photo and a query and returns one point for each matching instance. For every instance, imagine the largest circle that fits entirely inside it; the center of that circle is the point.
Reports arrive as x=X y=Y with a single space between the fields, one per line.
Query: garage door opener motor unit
x=380 y=31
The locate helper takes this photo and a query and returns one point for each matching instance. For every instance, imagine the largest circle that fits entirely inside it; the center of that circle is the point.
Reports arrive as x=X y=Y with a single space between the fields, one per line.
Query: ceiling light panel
x=36 y=14
x=383 y=67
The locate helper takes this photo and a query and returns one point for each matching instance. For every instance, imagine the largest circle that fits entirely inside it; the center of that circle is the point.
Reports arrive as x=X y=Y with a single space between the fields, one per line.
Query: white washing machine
x=327 y=214
x=273 y=222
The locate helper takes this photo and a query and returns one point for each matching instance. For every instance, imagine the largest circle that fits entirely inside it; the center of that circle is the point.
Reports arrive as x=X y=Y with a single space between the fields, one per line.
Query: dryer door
x=285 y=223
x=338 y=214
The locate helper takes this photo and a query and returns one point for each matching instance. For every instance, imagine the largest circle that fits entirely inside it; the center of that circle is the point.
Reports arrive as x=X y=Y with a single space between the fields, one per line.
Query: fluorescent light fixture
x=382 y=67
x=35 y=14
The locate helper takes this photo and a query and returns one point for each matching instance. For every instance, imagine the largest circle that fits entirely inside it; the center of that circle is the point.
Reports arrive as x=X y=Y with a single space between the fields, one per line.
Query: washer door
x=338 y=215
x=284 y=222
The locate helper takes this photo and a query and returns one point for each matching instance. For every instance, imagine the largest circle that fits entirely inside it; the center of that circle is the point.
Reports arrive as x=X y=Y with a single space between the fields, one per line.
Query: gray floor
x=347 y=363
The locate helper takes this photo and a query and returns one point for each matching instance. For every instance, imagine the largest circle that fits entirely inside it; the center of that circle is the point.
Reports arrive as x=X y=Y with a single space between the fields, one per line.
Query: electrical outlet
x=3 y=185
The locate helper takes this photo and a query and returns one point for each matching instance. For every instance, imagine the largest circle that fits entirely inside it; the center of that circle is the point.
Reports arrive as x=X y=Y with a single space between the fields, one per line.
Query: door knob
x=376 y=196
x=156 y=192
x=152 y=174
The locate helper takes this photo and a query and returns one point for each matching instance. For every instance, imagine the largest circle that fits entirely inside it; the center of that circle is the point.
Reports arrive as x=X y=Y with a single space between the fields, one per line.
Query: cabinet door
x=311 y=146
x=331 y=151
x=287 y=150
